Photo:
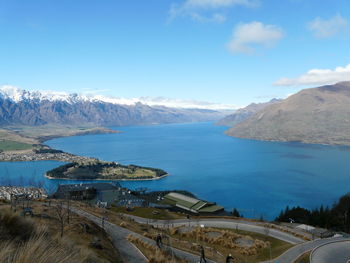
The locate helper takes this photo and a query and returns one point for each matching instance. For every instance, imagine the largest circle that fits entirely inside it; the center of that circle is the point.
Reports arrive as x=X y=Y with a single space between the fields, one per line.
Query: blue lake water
x=258 y=178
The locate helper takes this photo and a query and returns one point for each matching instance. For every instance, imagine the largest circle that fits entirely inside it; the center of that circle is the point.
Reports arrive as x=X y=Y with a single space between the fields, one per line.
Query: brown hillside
x=316 y=115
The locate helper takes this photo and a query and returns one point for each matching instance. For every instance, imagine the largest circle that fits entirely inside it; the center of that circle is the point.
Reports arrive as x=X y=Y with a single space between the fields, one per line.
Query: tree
x=235 y=213
x=61 y=213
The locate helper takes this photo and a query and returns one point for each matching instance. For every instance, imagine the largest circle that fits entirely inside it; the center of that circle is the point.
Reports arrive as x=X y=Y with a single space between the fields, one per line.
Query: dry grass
x=77 y=242
x=213 y=250
x=154 y=254
x=288 y=231
x=226 y=239
x=24 y=242
x=15 y=227
x=41 y=249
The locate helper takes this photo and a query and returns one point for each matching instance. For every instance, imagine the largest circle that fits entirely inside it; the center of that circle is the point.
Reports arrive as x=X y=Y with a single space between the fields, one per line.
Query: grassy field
x=277 y=246
x=255 y=254
x=10 y=135
x=19 y=138
x=6 y=145
x=304 y=258
x=45 y=132
x=151 y=213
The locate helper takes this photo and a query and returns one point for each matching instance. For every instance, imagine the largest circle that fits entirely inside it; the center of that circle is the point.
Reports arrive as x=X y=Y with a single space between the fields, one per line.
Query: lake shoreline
x=42 y=152
x=50 y=154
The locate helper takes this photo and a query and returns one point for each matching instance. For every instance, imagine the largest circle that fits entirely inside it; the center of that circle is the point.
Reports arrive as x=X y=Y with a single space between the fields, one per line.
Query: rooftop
x=191 y=204
x=97 y=186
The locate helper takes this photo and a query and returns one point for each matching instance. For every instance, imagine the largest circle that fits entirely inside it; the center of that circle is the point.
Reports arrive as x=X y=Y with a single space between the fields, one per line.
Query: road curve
x=293 y=253
x=335 y=252
x=222 y=223
x=128 y=251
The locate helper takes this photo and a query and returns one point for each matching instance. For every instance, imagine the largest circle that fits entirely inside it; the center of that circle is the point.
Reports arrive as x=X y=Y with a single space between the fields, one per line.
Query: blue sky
x=227 y=51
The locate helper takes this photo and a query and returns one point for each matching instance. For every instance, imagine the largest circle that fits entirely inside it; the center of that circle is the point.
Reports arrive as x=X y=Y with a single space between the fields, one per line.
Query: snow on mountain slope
x=16 y=94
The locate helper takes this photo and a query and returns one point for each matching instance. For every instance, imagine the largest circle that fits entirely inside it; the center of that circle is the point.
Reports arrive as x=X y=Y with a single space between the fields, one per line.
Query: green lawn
x=278 y=247
x=151 y=213
x=6 y=145
x=304 y=258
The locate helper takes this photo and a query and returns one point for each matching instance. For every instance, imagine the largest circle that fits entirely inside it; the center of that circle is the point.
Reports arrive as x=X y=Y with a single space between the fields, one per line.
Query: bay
x=258 y=178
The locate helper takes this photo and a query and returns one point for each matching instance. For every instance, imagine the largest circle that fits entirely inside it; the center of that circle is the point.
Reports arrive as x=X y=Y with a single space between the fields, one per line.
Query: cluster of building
x=102 y=194
x=10 y=192
x=32 y=156
x=108 y=194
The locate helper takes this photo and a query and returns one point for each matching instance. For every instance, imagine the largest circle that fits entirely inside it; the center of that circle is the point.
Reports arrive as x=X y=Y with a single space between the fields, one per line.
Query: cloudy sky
x=225 y=51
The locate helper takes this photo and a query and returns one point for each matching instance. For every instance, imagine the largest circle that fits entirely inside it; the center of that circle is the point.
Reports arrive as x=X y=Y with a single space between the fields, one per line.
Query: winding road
x=128 y=251
x=249 y=226
x=335 y=252
x=293 y=253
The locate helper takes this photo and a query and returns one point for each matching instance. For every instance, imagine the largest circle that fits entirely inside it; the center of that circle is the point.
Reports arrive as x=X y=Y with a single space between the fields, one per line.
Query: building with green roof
x=192 y=205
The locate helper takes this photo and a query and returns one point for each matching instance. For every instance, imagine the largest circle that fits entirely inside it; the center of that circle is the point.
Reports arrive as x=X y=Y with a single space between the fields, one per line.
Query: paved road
x=335 y=252
x=293 y=253
x=222 y=223
x=128 y=251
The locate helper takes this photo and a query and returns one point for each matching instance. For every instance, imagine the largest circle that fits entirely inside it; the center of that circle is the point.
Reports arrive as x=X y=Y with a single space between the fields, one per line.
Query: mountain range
x=243 y=114
x=315 y=115
x=21 y=107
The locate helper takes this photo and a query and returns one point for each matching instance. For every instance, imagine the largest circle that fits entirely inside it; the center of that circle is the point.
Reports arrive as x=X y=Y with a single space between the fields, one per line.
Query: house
x=101 y=194
x=192 y=205
x=91 y=192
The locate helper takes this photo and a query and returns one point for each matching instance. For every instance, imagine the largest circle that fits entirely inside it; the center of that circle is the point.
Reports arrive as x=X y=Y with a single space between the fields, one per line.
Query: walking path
x=323 y=250
x=335 y=252
x=128 y=251
x=293 y=253
x=249 y=226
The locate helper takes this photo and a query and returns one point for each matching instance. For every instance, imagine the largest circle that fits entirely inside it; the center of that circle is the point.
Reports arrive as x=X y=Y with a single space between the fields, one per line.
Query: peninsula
x=98 y=170
x=25 y=143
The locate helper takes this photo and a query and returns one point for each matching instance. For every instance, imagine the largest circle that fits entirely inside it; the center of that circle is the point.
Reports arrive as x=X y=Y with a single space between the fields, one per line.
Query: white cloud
x=247 y=36
x=201 y=10
x=181 y=103
x=325 y=28
x=188 y=4
x=318 y=77
x=215 y=18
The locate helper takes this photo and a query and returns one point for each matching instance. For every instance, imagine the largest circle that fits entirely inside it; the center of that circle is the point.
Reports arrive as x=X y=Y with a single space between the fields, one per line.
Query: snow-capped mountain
x=21 y=107
x=16 y=94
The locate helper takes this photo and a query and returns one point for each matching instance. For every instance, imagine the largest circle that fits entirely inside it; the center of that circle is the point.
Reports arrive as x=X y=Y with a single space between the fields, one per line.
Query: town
x=52 y=155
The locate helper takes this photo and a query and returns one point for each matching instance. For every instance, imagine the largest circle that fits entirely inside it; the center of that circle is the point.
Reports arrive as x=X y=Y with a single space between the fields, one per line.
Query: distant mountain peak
x=21 y=107
x=244 y=113
x=315 y=115
x=16 y=94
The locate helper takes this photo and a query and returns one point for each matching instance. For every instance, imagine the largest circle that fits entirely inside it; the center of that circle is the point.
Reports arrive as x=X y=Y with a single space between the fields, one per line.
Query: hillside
x=244 y=113
x=42 y=239
x=316 y=115
x=21 y=107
